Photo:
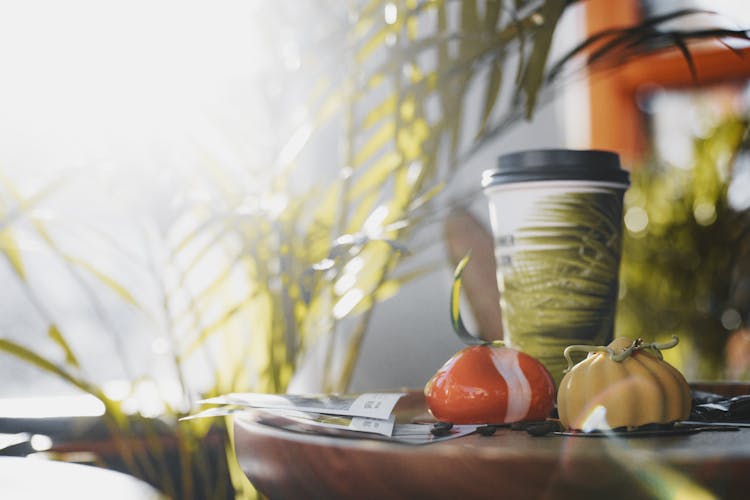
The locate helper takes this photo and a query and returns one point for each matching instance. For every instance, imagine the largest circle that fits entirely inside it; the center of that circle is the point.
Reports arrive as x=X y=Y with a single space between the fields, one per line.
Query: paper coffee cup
x=556 y=219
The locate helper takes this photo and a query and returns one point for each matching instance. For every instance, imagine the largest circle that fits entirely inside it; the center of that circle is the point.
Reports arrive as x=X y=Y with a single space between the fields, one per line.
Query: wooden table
x=509 y=464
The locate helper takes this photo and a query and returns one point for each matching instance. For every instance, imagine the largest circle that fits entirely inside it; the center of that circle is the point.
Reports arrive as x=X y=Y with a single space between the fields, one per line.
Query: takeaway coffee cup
x=556 y=219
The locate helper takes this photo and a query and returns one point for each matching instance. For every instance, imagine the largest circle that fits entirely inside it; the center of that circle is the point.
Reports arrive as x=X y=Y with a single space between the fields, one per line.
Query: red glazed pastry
x=485 y=384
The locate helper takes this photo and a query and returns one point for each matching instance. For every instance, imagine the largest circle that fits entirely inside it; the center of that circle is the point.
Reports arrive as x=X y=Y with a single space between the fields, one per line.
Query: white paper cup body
x=557 y=249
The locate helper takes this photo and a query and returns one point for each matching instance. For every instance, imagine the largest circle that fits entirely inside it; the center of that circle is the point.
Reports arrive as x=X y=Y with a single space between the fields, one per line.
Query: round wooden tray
x=509 y=464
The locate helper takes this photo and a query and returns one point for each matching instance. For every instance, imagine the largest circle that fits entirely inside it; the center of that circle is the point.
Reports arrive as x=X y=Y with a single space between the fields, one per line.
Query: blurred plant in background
x=281 y=264
x=685 y=257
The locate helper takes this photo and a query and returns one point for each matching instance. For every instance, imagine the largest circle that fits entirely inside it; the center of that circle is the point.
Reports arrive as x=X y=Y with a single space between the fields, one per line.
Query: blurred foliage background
x=685 y=253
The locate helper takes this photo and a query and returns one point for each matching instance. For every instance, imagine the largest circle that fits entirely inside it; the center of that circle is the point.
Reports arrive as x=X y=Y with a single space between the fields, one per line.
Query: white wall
x=410 y=336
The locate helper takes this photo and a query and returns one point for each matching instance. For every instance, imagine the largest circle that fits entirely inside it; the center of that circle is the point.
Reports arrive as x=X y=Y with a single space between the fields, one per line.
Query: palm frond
x=613 y=46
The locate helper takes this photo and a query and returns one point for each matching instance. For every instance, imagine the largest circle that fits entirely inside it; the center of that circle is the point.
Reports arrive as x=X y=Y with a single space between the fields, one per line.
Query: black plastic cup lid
x=556 y=165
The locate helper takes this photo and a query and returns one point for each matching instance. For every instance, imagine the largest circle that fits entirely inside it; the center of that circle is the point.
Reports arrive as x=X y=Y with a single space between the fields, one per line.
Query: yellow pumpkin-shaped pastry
x=626 y=384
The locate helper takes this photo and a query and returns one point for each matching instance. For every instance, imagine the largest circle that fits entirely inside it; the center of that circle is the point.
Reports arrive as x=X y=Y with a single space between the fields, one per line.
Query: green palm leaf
x=12 y=253
x=58 y=338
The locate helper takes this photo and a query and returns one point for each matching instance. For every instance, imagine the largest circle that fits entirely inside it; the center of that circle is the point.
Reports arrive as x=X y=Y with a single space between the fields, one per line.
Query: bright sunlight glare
x=115 y=119
x=85 y=80
x=84 y=405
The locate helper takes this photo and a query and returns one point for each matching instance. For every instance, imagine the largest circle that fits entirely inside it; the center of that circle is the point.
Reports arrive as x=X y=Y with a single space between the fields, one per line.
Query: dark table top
x=509 y=464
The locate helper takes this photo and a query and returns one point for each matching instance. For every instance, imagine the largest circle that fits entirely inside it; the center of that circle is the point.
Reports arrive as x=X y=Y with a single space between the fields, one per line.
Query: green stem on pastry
x=635 y=346
x=455 y=306
x=583 y=348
